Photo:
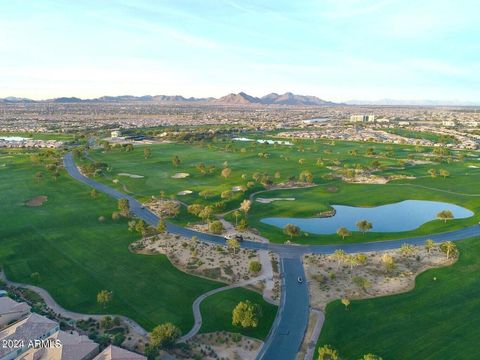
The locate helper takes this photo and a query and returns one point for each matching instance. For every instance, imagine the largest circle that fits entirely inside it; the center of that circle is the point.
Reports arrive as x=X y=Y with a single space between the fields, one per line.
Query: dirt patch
x=269 y=200
x=219 y=345
x=133 y=176
x=332 y=189
x=36 y=201
x=330 y=279
x=180 y=175
x=195 y=257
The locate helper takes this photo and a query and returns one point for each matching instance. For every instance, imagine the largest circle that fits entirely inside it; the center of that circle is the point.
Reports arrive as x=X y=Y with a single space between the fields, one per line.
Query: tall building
x=362 y=118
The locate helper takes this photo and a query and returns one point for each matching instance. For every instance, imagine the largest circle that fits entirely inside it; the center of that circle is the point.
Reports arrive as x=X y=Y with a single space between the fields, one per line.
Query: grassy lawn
x=289 y=161
x=217 y=309
x=439 y=319
x=77 y=256
x=314 y=200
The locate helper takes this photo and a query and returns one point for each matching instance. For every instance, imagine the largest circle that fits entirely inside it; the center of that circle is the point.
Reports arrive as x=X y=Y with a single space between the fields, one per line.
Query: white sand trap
x=185 y=192
x=133 y=176
x=180 y=175
x=239 y=188
x=115 y=181
x=473 y=167
x=269 y=200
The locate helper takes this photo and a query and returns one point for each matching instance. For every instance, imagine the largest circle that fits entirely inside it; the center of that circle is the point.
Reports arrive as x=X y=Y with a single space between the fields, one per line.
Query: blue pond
x=402 y=216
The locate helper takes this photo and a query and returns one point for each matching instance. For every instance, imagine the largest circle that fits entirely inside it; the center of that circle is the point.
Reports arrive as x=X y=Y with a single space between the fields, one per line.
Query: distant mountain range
x=230 y=99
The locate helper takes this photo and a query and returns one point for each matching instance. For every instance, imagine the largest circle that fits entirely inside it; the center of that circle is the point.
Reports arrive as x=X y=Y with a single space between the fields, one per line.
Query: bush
x=255 y=266
x=215 y=227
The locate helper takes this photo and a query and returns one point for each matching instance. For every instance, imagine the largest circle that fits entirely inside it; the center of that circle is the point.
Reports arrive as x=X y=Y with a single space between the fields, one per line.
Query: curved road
x=52 y=304
x=287 y=332
x=196 y=305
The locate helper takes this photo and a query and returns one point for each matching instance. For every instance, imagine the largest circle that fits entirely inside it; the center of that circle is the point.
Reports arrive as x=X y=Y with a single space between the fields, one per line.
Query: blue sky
x=335 y=49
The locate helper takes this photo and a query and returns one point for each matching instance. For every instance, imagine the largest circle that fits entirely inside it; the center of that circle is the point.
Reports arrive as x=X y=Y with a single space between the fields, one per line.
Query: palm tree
x=339 y=256
x=236 y=213
x=429 y=245
x=448 y=248
x=326 y=352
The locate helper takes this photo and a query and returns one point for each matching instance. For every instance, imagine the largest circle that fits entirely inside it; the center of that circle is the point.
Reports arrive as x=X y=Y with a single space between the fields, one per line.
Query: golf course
x=74 y=253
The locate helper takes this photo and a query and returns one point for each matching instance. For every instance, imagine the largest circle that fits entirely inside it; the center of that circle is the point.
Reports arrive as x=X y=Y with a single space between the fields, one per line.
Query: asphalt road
x=290 y=324
x=288 y=330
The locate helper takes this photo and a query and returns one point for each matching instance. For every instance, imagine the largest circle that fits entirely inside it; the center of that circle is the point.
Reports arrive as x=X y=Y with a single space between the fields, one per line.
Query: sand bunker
x=36 y=201
x=180 y=175
x=133 y=176
x=185 y=192
x=473 y=167
x=239 y=188
x=268 y=201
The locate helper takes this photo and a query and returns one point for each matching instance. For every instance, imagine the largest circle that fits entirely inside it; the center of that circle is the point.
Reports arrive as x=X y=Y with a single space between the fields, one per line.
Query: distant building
x=314 y=121
x=403 y=123
x=71 y=347
x=362 y=118
x=448 y=123
x=11 y=311
x=383 y=121
x=34 y=327
x=116 y=353
x=115 y=134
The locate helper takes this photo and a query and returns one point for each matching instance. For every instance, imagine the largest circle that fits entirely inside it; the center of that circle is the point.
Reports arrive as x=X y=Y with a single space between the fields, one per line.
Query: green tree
x=123 y=207
x=246 y=314
x=195 y=209
x=206 y=193
x=345 y=302
x=164 y=336
x=326 y=352
x=215 y=227
x=233 y=244
x=255 y=266
x=94 y=193
x=226 y=172
x=104 y=297
x=176 y=161
x=343 y=231
x=364 y=226
x=291 y=230
x=242 y=225
x=147 y=152
x=432 y=173
x=306 y=176
x=444 y=173
x=445 y=215
x=161 y=226
x=245 y=206
x=206 y=213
